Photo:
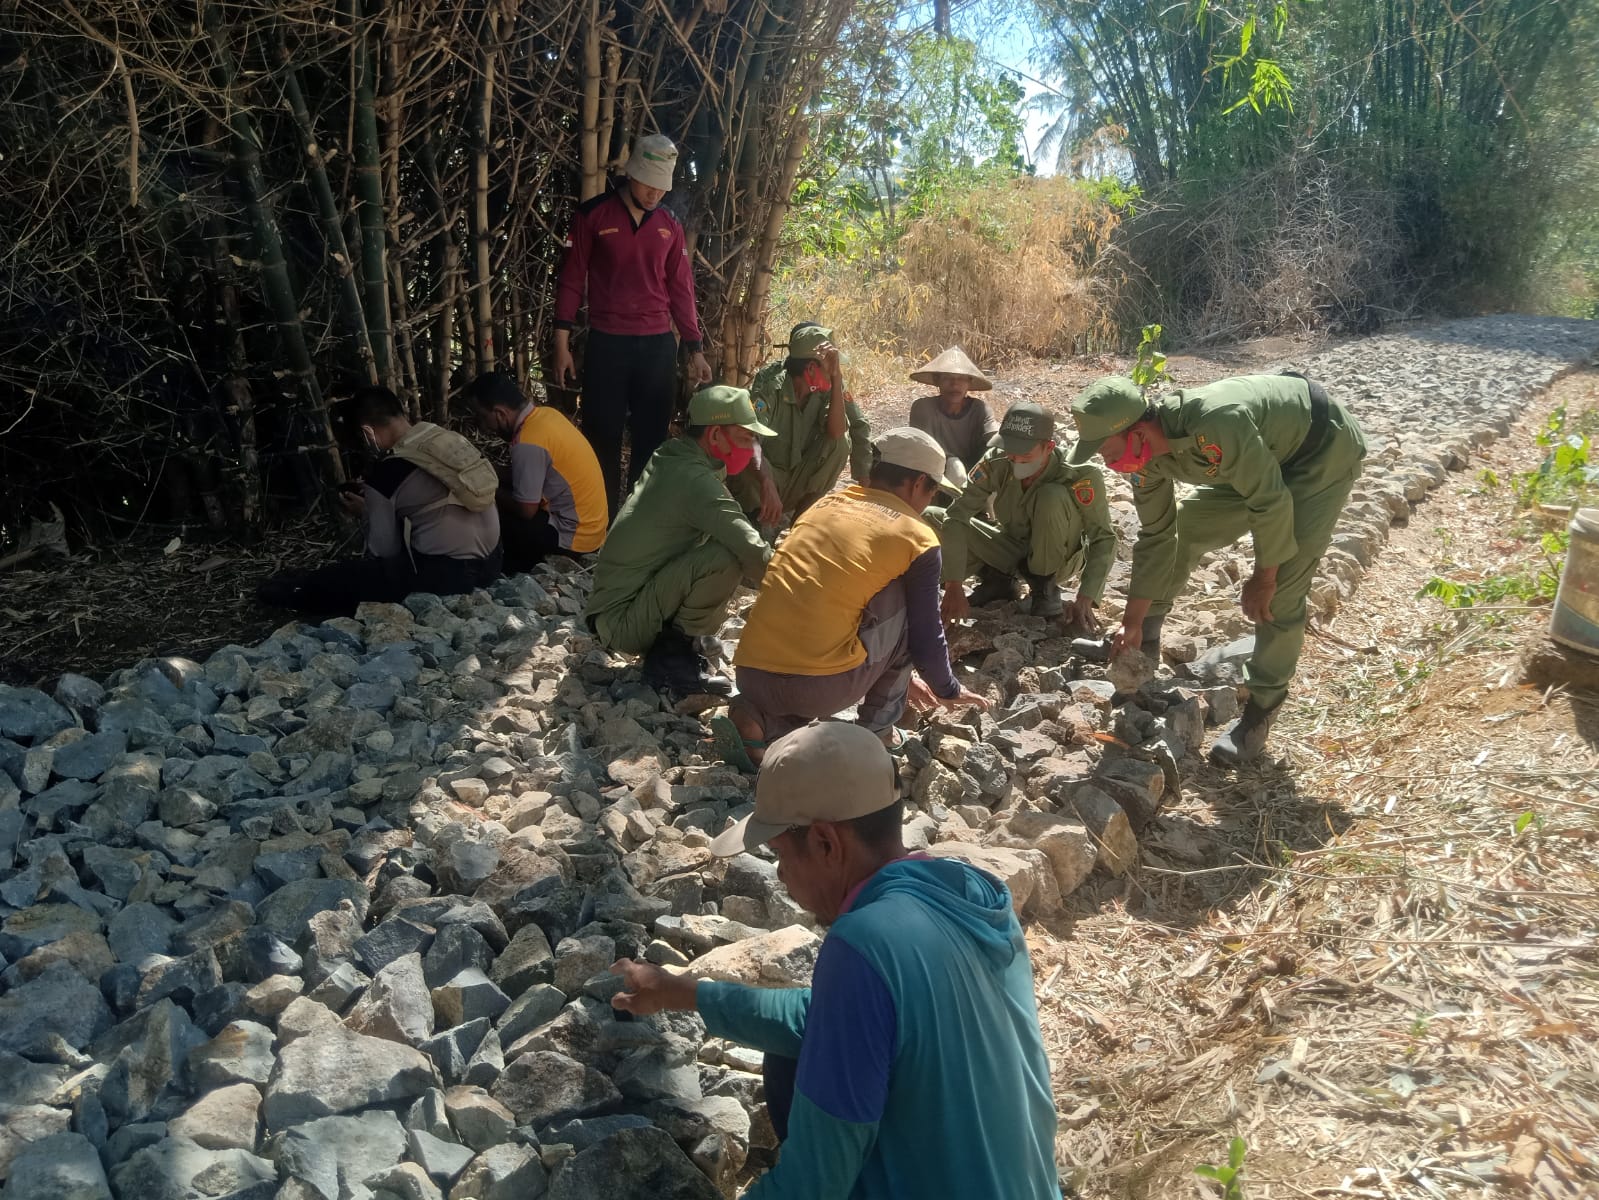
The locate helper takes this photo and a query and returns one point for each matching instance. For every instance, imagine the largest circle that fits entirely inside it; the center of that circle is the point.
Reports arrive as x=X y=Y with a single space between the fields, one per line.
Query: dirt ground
x=1372 y=958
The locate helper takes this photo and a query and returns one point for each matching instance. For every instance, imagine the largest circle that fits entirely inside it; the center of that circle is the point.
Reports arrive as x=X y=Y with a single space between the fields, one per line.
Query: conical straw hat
x=953 y=362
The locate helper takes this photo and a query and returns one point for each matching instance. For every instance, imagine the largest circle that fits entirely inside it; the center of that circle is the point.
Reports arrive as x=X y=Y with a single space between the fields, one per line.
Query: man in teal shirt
x=921 y=1071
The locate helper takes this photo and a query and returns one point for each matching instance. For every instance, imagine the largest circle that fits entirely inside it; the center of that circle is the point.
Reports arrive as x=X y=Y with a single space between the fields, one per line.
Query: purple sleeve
x=925 y=626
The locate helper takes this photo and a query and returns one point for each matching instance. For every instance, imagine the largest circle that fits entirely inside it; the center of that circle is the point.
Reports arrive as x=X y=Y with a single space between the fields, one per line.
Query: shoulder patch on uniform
x=1210 y=451
x=978 y=474
x=1083 y=489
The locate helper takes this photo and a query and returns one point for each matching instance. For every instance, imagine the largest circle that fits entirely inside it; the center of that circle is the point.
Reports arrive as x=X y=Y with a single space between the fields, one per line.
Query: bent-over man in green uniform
x=1269 y=455
x=679 y=548
x=817 y=428
x=1051 y=522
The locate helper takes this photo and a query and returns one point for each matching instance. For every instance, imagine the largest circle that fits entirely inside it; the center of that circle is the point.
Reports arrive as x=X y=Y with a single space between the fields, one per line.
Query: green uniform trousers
x=691 y=591
x=1215 y=517
x=1050 y=545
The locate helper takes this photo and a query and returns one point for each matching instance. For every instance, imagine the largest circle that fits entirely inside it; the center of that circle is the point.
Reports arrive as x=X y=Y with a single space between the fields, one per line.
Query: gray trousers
x=878 y=686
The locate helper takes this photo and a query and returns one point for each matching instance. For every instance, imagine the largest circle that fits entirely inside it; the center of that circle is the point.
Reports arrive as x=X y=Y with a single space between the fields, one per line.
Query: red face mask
x=735 y=457
x=1132 y=460
x=816 y=378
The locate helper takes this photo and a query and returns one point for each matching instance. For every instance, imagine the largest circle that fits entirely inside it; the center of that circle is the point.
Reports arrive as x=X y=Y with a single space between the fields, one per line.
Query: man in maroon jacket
x=628 y=255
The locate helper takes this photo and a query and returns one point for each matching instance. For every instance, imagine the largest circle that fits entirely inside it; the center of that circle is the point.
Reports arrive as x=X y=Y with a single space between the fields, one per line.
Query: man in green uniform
x=1268 y=455
x=1051 y=522
x=816 y=428
x=679 y=548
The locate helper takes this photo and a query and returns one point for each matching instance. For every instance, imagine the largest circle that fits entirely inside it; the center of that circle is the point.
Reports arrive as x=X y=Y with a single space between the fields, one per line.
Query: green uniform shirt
x=802 y=440
x=1233 y=435
x=995 y=475
x=679 y=503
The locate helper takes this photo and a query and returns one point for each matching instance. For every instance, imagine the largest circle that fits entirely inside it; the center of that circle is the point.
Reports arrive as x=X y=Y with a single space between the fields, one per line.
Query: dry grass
x=1004 y=271
x=1364 y=960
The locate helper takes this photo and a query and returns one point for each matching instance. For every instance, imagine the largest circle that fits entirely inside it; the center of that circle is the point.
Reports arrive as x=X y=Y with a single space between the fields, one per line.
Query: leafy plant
x=1229 y=1177
x=1534 y=587
x=1570 y=467
x=1149 y=368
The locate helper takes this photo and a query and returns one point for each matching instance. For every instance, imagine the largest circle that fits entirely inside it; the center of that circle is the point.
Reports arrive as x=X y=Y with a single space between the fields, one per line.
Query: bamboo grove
x=212 y=214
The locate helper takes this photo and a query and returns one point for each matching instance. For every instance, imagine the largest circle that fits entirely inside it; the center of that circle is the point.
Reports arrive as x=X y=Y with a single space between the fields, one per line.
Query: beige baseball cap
x=824 y=771
x=916 y=450
x=652 y=162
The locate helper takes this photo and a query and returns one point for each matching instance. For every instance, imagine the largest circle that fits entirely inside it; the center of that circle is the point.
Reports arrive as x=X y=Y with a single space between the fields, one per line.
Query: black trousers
x=527 y=540
x=778 y=1076
x=629 y=386
x=338 y=588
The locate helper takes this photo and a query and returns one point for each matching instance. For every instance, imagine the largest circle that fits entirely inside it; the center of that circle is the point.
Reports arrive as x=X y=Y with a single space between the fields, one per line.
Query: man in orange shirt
x=849 y=606
x=554 y=500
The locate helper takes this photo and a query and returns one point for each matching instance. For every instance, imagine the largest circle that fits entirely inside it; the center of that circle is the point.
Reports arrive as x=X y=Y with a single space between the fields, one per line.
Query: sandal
x=730 y=745
x=896 y=748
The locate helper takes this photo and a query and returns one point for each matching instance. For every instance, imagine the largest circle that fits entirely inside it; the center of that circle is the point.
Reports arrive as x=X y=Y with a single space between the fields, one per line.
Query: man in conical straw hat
x=958 y=421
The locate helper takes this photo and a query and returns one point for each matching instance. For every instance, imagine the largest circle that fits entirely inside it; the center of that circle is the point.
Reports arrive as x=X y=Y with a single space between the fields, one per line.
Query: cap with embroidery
x=1103 y=409
x=722 y=404
x=1025 y=425
x=652 y=162
x=824 y=771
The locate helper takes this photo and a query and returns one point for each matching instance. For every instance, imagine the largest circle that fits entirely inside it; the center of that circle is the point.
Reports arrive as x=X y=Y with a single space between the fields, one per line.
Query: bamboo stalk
x=351 y=309
x=482 y=112
x=276 y=286
x=608 y=88
x=369 y=193
x=588 y=148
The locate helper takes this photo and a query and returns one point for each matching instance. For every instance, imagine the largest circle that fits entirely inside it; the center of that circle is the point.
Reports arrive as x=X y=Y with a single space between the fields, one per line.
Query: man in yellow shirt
x=554 y=500
x=849 y=606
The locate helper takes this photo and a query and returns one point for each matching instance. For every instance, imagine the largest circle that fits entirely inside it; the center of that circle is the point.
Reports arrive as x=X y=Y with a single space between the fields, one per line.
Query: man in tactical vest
x=428 y=503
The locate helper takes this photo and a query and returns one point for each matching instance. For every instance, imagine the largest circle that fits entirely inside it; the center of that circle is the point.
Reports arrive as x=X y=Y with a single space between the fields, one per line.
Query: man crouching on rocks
x=913 y=1065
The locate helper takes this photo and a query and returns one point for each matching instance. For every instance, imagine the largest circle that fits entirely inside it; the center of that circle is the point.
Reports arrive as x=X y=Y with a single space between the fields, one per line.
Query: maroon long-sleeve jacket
x=638 y=277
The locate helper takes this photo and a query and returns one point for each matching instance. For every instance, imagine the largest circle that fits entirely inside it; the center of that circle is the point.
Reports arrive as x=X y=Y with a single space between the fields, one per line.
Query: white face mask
x=1026 y=470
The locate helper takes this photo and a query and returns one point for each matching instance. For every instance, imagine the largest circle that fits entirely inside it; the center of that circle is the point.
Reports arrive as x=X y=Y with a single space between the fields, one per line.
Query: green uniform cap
x=1025 y=425
x=724 y=405
x=804 y=340
x=1102 y=410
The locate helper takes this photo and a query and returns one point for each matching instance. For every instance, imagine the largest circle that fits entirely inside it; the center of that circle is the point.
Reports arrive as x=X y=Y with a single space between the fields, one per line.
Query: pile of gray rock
x=331 y=917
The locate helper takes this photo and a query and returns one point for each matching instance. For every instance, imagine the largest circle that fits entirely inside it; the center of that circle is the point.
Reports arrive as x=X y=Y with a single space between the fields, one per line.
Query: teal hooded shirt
x=922 y=1071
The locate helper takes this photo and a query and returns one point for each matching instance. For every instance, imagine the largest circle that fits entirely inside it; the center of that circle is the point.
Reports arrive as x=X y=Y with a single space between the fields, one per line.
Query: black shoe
x=1246 y=740
x=673 y=665
x=1043 y=595
x=993 y=585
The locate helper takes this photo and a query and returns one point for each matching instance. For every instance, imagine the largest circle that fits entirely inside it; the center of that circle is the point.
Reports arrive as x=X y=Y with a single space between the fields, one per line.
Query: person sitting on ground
x=960 y=422
x=849 y=607
x=1271 y=455
x=428 y=504
x=1051 y=522
x=914 y=1065
x=679 y=548
x=818 y=427
x=554 y=499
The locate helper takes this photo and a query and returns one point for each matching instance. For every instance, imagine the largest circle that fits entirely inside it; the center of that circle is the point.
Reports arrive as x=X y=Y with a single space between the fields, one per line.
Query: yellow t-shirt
x=845 y=549
x=552 y=464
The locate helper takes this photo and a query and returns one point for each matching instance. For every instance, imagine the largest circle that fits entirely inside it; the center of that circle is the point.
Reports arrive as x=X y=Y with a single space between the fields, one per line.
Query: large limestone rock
x=780 y=958
x=632 y=1164
x=178 y=1169
x=337 y=1070
x=1064 y=841
x=545 y=1086
x=63 y=1166
x=1027 y=873
x=225 y=1119
x=336 y=1155
x=396 y=1005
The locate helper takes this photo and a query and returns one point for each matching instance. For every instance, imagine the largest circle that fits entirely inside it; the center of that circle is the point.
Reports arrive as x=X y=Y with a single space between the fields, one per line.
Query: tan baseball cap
x=824 y=771
x=652 y=161
x=725 y=405
x=915 y=450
